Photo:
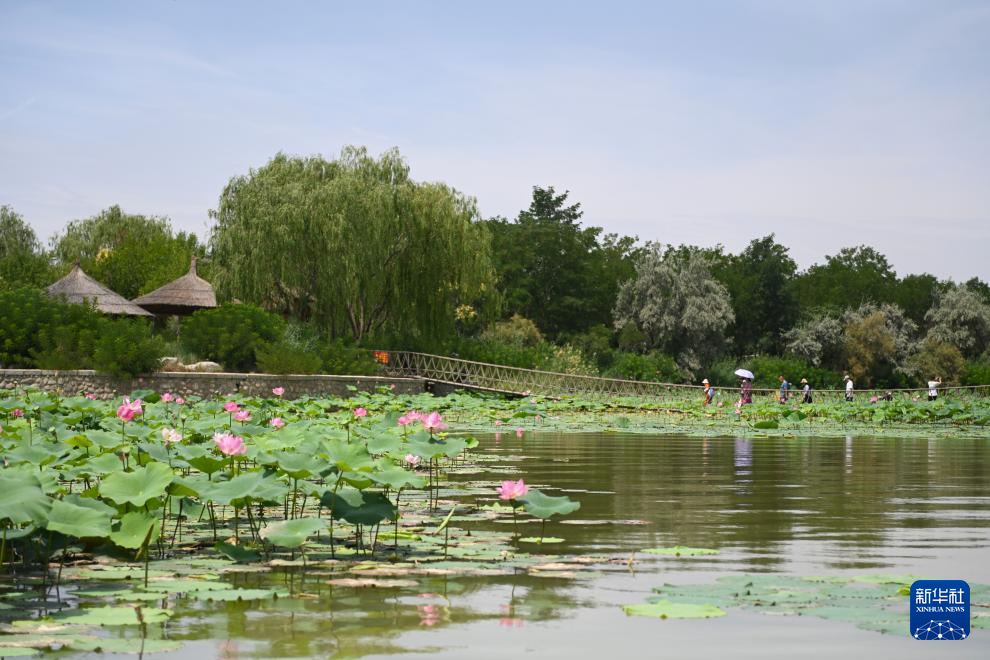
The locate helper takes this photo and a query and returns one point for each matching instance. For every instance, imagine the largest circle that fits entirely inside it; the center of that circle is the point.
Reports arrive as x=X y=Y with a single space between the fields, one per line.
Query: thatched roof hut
x=182 y=296
x=77 y=287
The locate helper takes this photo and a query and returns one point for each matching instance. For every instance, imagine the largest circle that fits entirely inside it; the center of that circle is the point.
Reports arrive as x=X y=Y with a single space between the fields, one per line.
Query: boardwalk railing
x=514 y=380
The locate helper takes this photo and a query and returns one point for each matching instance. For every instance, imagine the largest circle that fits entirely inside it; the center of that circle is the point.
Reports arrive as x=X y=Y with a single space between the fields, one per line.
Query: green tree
x=22 y=261
x=846 y=280
x=817 y=340
x=554 y=271
x=759 y=283
x=878 y=342
x=677 y=304
x=131 y=254
x=937 y=359
x=960 y=317
x=915 y=294
x=353 y=244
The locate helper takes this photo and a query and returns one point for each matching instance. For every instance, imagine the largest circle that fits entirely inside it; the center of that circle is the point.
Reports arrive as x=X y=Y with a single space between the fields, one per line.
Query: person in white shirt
x=933 y=388
x=849 y=387
x=806 y=389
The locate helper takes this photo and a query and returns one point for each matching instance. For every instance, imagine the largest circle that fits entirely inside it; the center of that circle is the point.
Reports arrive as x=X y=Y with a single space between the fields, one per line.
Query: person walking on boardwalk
x=709 y=392
x=806 y=390
x=849 y=387
x=746 y=391
x=785 y=389
x=933 y=388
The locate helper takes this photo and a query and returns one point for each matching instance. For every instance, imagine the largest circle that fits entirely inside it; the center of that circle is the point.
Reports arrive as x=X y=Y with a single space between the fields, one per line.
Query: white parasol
x=744 y=373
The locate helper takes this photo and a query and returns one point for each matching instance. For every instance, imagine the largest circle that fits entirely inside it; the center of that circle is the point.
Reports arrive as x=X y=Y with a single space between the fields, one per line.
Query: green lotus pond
x=324 y=540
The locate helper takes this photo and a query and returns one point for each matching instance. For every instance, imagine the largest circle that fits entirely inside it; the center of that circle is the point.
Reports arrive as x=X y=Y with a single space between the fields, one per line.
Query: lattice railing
x=515 y=380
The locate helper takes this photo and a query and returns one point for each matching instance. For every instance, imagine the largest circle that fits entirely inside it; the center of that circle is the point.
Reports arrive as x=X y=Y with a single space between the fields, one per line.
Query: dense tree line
x=359 y=252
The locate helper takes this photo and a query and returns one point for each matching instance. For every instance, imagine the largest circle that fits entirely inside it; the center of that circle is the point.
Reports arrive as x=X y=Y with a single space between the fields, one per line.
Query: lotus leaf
x=78 y=521
x=544 y=506
x=292 y=533
x=137 y=529
x=22 y=499
x=359 y=507
x=665 y=609
x=139 y=485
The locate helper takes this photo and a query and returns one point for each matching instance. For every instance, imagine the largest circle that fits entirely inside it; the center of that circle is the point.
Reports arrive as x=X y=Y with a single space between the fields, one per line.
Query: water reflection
x=835 y=503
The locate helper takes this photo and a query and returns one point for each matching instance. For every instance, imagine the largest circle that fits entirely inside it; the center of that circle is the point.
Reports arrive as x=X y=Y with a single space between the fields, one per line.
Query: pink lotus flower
x=510 y=490
x=17 y=412
x=167 y=397
x=874 y=399
x=179 y=400
x=520 y=431
x=230 y=444
x=242 y=415
x=498 y=422
x=433 y=422
x=277 y=422
x=91 y=396
x=721 y=403
x=409 y=418
x=128 y=409
x=171 y=436
x=278 y=391
x=360 y=412
x=412 y=460
x=231 y=407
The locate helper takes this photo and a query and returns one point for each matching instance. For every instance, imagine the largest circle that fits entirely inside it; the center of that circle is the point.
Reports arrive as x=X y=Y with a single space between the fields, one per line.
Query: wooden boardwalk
x=484 y=377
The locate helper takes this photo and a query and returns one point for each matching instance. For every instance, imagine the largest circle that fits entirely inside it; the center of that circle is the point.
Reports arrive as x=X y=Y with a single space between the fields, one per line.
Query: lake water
x=799 y=507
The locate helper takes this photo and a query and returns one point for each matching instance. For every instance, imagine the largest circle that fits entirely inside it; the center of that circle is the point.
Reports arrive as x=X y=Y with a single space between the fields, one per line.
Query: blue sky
x=831 y=123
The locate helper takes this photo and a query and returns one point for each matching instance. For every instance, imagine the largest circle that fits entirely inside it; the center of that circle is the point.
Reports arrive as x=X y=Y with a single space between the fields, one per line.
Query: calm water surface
x=794 y=506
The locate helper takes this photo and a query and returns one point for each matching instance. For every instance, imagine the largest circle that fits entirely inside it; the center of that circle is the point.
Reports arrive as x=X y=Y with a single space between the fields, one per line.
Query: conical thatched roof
x=182 y=296
x=77 y=287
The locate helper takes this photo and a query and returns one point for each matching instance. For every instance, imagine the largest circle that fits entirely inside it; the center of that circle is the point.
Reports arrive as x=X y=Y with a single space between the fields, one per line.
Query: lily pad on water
x=230 y=595
x=292 y=533
x=681 y=551
x=665 y=609
x=238 y=553
x=113 y=616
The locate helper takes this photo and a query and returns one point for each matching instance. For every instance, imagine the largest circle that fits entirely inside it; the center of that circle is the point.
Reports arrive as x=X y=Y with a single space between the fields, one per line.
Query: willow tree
x=352 y=244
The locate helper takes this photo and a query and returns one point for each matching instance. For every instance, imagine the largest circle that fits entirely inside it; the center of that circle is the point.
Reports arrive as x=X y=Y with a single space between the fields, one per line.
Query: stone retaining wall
x=201 y=384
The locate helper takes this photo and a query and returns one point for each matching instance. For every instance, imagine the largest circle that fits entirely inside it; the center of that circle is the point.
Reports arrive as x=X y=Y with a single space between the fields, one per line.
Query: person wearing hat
x=709 y=391
x=806 y=389
x=849 y=387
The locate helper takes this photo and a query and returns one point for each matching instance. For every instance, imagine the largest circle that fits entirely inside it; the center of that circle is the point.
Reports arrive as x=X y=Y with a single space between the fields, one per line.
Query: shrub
x=517 y=331
x=654 y=366
x=126 y=347
x=286 y=358
x=38 y=331
x=977 y=373
x=230 y=334
x=767 y=368
x=342 y=360
x=41 y=332
x=567 y=360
